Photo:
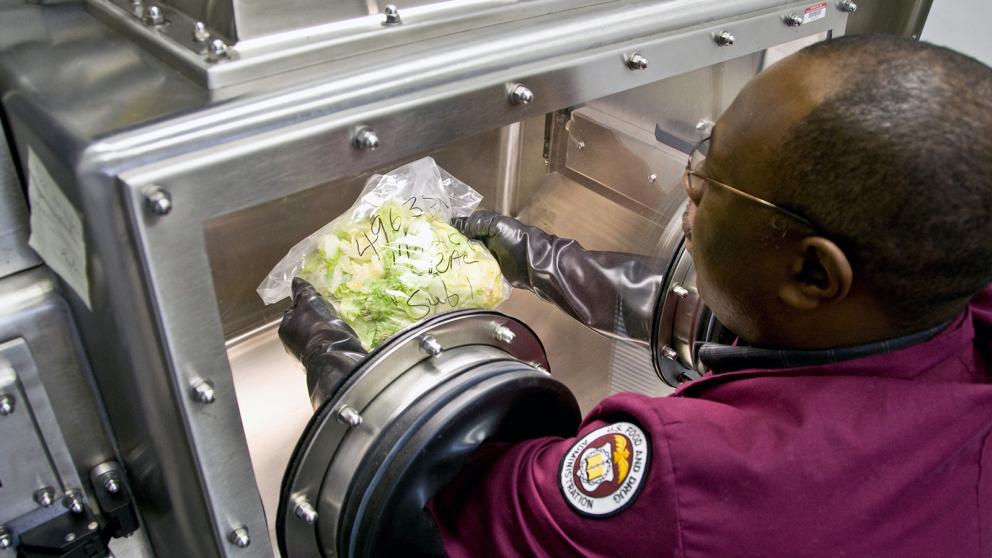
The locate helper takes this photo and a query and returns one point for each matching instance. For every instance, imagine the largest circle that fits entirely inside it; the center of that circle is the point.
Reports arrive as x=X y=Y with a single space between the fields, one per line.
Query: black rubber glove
x=314 y=334
x=612 y=292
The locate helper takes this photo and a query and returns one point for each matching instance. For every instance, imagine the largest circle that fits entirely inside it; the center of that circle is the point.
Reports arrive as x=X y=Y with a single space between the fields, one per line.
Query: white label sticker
x=815 y=12
x=602 y=473
x=56 y=229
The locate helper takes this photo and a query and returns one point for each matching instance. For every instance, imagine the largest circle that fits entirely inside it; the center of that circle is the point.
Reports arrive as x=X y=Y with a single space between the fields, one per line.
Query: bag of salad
x=393 y=259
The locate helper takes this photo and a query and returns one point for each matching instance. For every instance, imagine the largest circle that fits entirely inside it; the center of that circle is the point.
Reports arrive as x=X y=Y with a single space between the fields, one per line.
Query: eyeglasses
x=694 y=183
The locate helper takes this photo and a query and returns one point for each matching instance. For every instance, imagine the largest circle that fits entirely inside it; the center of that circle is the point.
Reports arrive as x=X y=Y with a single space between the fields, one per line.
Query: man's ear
x=821 y=273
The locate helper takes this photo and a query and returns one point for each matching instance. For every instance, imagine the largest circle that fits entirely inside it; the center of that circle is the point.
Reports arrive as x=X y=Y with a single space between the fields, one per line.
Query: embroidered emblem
x=602 y=473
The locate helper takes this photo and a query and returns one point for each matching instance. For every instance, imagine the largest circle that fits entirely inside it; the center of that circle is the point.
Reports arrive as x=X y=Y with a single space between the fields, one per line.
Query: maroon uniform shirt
x=884 y=456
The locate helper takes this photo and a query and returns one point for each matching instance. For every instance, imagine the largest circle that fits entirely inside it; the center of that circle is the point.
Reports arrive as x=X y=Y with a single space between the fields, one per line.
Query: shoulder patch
x=602 y=473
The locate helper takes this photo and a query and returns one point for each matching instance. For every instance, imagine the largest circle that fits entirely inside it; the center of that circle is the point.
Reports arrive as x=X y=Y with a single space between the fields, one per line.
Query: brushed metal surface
x=15 y=254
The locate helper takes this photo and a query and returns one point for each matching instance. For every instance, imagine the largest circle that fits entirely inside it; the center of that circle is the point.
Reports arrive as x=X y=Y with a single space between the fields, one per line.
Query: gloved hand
x=609 y=291
x=326 y=346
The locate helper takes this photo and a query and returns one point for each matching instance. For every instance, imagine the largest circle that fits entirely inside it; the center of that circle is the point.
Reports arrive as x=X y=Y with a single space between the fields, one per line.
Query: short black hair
x=895 y=165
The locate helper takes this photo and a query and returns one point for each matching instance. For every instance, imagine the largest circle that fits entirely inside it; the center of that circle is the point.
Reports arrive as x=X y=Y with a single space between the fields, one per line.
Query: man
x=841 y=223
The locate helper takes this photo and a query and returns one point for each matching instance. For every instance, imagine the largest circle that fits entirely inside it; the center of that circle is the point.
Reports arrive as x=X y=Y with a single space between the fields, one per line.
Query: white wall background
x=962 y=25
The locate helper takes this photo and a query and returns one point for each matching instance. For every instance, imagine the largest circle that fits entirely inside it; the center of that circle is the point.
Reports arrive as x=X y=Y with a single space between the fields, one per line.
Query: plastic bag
x=393 y=259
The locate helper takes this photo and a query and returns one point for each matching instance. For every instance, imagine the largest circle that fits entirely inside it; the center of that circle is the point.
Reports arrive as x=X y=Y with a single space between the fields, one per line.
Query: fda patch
x=602 y=473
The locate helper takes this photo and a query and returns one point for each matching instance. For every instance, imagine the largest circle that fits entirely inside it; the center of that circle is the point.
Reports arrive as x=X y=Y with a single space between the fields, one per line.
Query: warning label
x=815 y=12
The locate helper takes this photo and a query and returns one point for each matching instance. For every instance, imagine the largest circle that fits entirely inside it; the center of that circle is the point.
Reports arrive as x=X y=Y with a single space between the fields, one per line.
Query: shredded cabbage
x=399 y=266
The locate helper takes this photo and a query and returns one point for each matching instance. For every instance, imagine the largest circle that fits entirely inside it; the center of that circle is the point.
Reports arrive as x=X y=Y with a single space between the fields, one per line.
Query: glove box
x=191 y=168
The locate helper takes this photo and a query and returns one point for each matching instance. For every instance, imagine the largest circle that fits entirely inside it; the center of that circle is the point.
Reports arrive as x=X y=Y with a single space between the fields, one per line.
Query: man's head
x=885 y=146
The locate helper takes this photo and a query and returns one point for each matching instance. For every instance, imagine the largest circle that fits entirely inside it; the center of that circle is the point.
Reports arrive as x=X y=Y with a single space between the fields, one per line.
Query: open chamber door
x=374 y=454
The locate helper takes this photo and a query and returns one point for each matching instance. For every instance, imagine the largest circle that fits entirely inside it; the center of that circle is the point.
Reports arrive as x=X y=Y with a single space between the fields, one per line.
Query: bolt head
x=349 y=416
x=74 y=503
x=366 y=139
x=203 y=392
x=430 y=346
x=521 y=95
x=637 y=61
x=652 y=178
x=6 y=405
x=680 y=292
x=153 y=15
x=848 y=6
x=239 y=537
x=725 y=38
x=392 y=14
x=217 y=50
x=45 y=497
x=6 y=541
x=304 y=510
x=158 y=201
x=504 y=334
x=111 y=484
x=581 y=145
x=669 y=353
x=793 y=20
x=200 y=33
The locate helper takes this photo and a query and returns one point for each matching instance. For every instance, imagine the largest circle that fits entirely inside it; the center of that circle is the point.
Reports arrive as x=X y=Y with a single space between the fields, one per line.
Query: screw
x=110 y=482
x=680 y=292
x=848 y=6
x=153 y=16
x=6 y=541
x=366 y=139
x=669 y=353
x=200 y=33
x=504 y=334
x=73 y=502
x=724 y=38
x=158 y=201
x=6 y=404
x=652 y=178
x=637 y=61
x=349 y=416
x=793 y=20
x=203 y=391
x=392 y=15
x=45 y=496
x=430 y=345
x=239 y=537
x=520 y=95
x=304 y=510
x=216 y=50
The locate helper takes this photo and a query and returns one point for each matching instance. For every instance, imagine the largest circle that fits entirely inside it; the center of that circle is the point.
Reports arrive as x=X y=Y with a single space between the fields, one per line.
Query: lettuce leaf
x=399 y=266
